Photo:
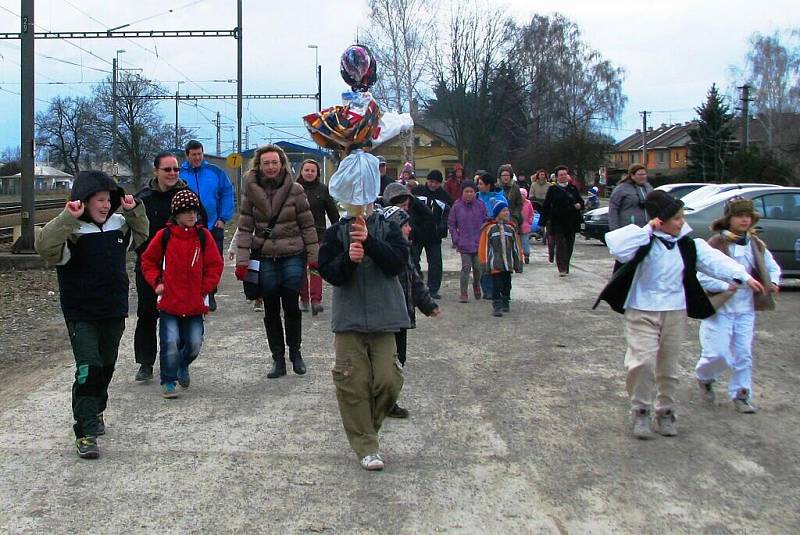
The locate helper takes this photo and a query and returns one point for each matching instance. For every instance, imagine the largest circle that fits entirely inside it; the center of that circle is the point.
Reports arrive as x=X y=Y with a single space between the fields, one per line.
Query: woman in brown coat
x=276 y=228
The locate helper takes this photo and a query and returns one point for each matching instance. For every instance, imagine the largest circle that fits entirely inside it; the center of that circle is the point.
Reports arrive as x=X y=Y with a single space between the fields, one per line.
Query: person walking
x=429 y=237
x=362 y=262
x=215 y=190
x=561 y=213
x=511 y=191
x=488 y=194
x=500 y=255
x=88 y=243
x=183 y=266
x=277 y=229
x=465 y=222
x=453 y=183
x=321 y=204
x=626 y=205
x=157 y=199
x=726 y=338
x=527 y=225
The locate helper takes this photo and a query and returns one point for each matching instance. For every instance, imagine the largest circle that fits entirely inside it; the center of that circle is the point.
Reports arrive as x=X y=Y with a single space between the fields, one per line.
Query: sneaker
x=527 y=259
x=477 y=293
x=665 y=424
x=398 y=412
x=258 y=305
x=183 y=377
x=169 y=390
x=304 y=306
x=212 y=303
x=435 y=295
x=372 y=462
x=463 y=298
x=641 y=424
x=101 y=425
x=145 y=373
x=742 y=402
x=497 y=313
x=316 y=308
x=706 y=390
x=562 y=273
x=87 y=448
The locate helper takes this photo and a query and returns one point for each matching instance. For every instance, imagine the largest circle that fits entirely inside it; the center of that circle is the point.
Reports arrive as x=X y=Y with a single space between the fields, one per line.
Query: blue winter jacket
x=487 y=198
x=214 y=189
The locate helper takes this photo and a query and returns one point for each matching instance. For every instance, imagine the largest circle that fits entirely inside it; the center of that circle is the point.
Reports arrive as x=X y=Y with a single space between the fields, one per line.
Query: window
x=780 y=206
x=634 y=157
x=661 y=156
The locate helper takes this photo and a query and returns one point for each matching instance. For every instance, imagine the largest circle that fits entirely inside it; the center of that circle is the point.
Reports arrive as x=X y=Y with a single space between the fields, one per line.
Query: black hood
x=87 y=183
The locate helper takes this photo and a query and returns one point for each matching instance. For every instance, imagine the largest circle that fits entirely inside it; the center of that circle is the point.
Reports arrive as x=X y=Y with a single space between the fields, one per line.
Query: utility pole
x=319 y=87
x=746 y=100
x=218 y=125
x=177 y=100
x=644 y=137
x=114 y=120
x=25 y=243
x=239 y=41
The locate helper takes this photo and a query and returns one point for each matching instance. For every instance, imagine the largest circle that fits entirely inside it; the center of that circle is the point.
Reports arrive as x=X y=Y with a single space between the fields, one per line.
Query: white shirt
x=658 y=281
x=742 y=299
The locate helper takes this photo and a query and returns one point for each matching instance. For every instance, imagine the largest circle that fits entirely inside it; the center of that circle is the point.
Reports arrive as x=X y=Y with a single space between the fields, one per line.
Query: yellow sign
x=234 y=160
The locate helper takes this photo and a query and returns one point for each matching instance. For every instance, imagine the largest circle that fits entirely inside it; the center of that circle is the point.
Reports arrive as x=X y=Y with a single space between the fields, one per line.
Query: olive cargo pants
x=368 y=383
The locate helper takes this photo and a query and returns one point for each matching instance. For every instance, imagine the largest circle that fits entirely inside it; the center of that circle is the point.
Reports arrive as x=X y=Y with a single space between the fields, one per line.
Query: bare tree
x=68 y=130
x=400 y=35
x=465 y=65
x=142 y=132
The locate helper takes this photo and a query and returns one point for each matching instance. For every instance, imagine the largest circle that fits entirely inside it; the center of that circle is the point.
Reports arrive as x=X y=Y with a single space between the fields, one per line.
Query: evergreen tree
x=712 y=144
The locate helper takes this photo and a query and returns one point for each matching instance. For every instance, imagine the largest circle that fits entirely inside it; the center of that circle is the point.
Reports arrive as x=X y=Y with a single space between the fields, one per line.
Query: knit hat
x=184 y=200
x=381 y=160
x=523 y=192
x=395 y=193
x=735 y=206
x=436 y=175
x=662 y=205
x=408 y=167
x=458 y=166
x=467 y=183
x=396 y=214
x=497 y=206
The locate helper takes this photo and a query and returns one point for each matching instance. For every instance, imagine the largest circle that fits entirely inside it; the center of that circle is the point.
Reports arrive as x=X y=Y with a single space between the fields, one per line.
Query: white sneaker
x=258 y=305
x=372 y=462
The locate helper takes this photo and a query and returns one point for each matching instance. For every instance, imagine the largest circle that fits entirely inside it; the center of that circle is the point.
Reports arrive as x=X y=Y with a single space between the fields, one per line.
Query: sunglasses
x=168 y=169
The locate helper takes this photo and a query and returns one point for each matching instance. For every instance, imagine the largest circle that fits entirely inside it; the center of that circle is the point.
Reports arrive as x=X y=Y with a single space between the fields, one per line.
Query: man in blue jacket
x=215 y=191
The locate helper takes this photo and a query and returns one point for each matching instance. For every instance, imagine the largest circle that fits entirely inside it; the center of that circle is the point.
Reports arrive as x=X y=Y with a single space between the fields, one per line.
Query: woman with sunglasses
x=156 y=197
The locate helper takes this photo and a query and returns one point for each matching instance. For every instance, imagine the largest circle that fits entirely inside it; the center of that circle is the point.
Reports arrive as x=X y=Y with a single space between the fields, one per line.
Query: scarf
x=732 y=237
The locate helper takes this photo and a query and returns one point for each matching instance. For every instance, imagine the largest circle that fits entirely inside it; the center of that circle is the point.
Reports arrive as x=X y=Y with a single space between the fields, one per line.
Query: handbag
x=250 y=284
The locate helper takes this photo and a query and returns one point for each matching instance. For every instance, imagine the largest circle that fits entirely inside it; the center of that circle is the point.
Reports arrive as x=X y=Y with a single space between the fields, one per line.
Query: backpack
x=165 y=239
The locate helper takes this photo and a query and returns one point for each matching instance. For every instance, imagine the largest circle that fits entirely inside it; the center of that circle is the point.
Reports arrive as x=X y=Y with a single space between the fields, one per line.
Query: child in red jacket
x=183 y=265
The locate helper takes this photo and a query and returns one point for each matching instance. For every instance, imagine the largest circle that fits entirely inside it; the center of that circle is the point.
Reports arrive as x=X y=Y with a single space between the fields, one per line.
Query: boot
x=278 y=367
x=298 y=366
x=506 y=305
x=497 y=308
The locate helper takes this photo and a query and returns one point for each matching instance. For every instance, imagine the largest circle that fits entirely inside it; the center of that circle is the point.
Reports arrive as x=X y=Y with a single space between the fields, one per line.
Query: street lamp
x=247 y=133
x=114 y=127
x=318 y=69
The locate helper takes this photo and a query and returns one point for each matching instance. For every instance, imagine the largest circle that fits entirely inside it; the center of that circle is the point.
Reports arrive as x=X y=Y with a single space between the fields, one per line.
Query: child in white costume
x=655 y=288
x=727 y=336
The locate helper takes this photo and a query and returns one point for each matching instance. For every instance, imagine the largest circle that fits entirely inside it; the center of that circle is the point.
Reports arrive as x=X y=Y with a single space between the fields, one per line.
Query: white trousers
x=727 y=342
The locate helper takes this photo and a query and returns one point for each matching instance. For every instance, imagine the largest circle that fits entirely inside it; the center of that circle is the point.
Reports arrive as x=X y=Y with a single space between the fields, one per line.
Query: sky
x=671 y=51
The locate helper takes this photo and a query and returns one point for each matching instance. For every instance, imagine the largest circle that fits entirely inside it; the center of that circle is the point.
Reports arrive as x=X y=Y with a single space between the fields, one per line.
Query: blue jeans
x=283 y=272
x=181 y=340
x=280 y=280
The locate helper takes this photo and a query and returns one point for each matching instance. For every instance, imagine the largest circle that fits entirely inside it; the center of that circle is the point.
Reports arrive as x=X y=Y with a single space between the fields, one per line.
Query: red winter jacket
x=190 y=274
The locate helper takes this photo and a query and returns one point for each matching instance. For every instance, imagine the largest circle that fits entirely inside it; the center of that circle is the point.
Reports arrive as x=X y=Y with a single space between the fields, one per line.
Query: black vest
x=93 y=284
x=697 y=304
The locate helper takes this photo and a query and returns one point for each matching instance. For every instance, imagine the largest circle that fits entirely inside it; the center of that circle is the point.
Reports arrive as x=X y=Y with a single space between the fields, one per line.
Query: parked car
x=705 y=192
x=595 y=222
x=779 y=225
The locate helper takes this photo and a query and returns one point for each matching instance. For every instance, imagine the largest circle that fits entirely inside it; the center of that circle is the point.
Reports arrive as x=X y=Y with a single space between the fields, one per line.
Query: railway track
x=15 y=207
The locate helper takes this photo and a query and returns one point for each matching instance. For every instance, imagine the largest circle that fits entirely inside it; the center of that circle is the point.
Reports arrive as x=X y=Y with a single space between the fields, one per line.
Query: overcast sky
x=672 y=52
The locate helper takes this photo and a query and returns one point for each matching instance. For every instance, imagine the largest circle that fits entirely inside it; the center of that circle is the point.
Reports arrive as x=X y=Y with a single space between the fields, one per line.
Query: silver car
x=779 y=225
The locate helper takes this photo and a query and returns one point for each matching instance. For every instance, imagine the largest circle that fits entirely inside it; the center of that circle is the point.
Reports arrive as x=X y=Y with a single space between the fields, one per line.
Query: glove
x=241 y=272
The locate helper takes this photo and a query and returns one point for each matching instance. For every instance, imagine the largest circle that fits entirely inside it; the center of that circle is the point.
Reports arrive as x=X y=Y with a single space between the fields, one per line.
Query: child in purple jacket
x=466 y=218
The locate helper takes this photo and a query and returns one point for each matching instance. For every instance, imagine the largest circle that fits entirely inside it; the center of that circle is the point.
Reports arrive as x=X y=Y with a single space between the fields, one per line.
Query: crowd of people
x=283 y=248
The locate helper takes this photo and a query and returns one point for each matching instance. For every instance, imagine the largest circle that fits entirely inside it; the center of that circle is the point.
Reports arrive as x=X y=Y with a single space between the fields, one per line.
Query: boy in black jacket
x=416 y=294
x=87 y=243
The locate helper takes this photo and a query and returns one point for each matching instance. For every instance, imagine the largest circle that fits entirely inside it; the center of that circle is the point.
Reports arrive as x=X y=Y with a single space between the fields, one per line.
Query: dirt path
x=518 y=425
